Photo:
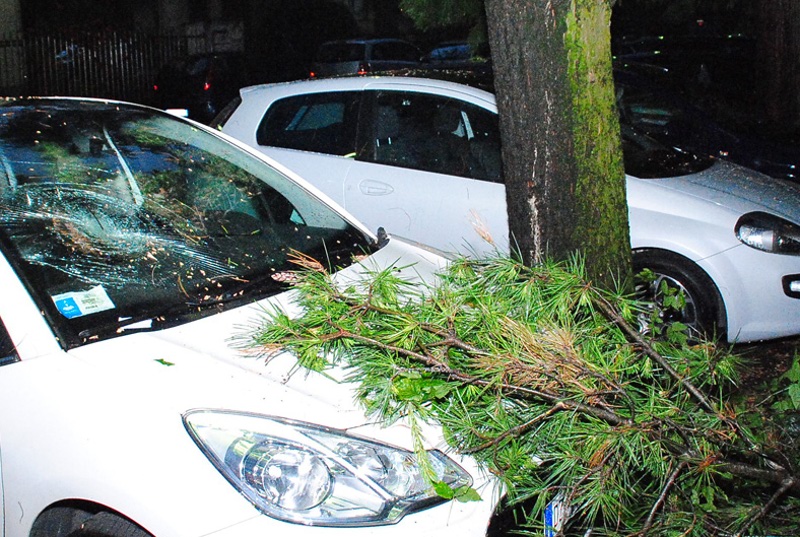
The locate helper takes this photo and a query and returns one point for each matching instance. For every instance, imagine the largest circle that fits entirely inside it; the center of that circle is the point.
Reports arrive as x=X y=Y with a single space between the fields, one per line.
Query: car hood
x=741 y=190
x=209 y=364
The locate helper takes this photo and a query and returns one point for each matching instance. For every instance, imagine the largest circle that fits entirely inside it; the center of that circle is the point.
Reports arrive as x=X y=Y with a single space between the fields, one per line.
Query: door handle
x=370 y=187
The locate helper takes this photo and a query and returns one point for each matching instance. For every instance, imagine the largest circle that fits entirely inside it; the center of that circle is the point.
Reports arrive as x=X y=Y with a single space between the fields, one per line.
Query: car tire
x=702 y=311
x=105 y=524
x=78 y=520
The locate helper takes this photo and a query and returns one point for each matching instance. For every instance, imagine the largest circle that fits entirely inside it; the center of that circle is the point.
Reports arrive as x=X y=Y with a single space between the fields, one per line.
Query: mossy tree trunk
x=562 y=157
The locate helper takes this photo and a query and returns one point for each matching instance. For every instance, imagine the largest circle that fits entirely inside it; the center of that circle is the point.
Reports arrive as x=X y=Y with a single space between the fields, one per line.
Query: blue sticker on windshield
x=80 y=303
x=68 y=307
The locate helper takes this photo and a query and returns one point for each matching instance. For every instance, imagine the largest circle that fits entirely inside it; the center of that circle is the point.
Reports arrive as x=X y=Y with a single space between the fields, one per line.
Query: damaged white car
x=135 y=245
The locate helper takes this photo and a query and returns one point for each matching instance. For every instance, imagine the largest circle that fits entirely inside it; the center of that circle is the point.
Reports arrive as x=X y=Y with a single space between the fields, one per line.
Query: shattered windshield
x=116 y=215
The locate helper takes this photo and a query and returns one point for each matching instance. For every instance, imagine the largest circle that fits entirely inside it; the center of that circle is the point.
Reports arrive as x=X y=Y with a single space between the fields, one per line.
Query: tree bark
x=562 y=159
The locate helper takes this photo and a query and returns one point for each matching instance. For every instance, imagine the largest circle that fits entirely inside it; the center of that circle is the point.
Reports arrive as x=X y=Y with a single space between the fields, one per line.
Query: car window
x=319 y=122
x=647 y=158
x=456 y=51
x=646 y=111
x=8 y=352
x=113 y=213
x=433 y=133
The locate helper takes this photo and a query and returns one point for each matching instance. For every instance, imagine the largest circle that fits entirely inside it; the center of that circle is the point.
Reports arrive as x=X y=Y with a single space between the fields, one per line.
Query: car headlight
x=313 y=475
x=769 y=233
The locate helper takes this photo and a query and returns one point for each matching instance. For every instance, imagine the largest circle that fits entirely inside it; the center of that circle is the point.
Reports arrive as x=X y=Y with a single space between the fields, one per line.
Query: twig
x=788 y=484
x=517 y=430
x=662 y=497
x=776 y=476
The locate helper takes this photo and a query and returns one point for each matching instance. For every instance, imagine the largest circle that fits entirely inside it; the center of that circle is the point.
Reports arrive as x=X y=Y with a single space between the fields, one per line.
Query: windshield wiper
x=260 y=286
x=148 y=321
x=189 y=310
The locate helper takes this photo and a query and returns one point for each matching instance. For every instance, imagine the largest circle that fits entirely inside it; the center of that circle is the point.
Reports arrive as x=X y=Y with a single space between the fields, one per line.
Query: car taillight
x=312 y=74
x=210 y=75
x=363 y=68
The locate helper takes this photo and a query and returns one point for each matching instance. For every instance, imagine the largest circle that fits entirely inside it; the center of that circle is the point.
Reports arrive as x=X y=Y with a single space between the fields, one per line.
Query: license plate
x=554 y=515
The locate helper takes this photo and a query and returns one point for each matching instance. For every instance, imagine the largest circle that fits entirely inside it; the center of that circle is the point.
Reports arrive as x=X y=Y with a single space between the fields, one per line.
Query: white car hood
x=206 y=363
x=741 y=190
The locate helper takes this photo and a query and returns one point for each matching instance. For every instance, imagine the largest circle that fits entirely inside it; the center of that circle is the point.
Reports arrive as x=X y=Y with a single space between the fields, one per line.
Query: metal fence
x=108 y=65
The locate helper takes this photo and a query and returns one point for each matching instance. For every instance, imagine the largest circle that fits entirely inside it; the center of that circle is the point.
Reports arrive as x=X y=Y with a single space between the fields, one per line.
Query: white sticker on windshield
x=80 y=303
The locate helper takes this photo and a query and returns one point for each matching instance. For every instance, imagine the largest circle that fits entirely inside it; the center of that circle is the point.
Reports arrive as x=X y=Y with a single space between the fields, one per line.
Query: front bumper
x=758 y=292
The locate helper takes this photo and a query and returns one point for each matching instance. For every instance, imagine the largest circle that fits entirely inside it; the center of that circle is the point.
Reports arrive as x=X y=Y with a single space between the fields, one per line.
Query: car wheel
x=701 y=305
x=105 y=524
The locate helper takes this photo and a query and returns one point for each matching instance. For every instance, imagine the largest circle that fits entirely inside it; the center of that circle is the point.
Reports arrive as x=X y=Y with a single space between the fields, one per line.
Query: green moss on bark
x=602 y=218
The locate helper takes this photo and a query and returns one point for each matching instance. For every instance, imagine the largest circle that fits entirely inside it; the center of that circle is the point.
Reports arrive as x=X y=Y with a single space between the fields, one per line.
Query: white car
x=421 y=158
x=137 y=249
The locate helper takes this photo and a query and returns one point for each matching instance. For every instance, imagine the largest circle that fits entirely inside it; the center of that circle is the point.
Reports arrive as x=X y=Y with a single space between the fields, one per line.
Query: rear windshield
x=225 y=114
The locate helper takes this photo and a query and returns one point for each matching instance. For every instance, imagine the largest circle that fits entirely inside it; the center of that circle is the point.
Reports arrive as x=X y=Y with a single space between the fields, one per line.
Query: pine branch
x=635 y=336
x=547 y=343
x=438 y=367
x=441 y=368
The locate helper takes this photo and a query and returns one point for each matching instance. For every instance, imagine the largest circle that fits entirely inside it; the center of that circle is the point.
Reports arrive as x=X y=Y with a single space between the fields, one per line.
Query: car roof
x=360 y=83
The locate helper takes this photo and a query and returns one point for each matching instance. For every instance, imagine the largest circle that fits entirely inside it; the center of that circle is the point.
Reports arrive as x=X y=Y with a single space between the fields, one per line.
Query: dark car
x=363 y=56
x=199 y=85
x=459 y=56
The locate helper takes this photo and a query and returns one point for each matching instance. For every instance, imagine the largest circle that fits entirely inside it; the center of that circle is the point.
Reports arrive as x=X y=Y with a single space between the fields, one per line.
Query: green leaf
x=678 y=333
x=444 y=490
x=794 y=394
x=419 y=389
x=467 y=494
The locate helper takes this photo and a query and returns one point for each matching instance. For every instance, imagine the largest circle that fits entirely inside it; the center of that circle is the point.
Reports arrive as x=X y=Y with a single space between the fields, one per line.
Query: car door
x=428 y=169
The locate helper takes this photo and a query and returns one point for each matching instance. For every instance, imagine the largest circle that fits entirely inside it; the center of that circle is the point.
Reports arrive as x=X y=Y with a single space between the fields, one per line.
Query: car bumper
x=449 y=519
x=757 y=294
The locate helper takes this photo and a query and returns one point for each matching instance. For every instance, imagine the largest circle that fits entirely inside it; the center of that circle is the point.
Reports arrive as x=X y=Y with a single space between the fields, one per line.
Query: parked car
x=362 y=56
x=136 y=248
x=198 y=86
x=454 y=59
x=450 y=51
x=421 y=157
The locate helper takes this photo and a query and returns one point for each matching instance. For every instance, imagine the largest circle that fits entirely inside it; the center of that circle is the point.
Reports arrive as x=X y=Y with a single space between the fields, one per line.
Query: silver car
x=362 y=56
x=421 y=158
